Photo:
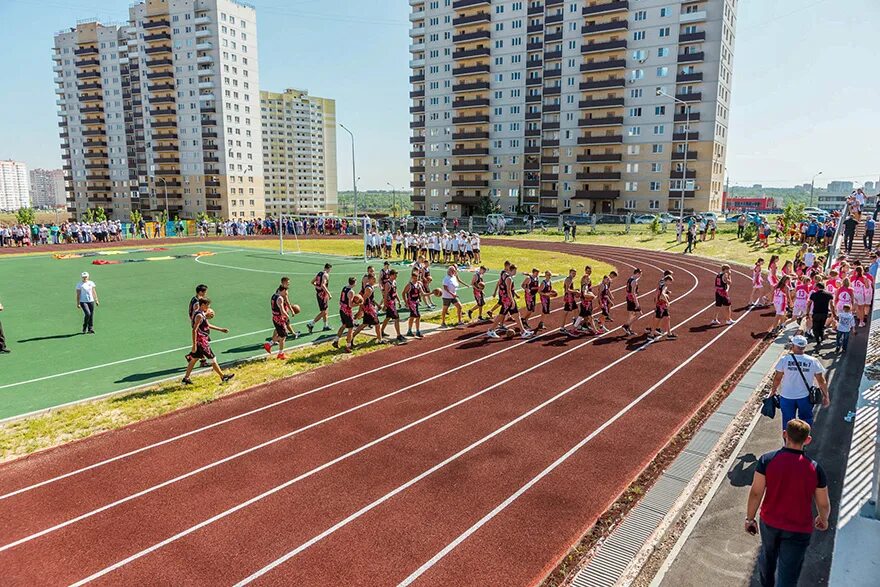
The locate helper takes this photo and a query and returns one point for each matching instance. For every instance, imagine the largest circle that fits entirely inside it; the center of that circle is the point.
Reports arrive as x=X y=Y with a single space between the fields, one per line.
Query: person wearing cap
x=792 y=388
x=86 y=300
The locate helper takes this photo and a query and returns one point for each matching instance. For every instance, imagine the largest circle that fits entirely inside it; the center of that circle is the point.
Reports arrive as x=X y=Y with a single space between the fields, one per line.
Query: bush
x=26 y=216
x=750 y=232
x=656 y=225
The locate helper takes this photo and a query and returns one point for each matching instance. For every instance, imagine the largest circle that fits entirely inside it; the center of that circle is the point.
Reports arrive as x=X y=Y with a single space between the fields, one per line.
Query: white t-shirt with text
x=792 y=386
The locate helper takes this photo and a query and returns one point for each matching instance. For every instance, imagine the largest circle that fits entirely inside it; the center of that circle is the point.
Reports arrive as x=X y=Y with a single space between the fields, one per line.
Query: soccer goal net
x=297 y=228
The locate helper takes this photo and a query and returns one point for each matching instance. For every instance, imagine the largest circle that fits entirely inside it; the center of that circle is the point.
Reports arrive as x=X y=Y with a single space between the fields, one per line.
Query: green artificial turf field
x=142 y=326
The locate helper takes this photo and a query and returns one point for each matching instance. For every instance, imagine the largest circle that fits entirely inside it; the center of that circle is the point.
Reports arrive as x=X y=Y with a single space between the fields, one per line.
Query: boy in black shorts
x=321 y=282
x=633 y=308
x=606 y=300
x=530 y=286
x=279 y=321
x=346 y=315
x=201 y=293
x=478 y=284
x=201 y=343
x=391 y=302
x=661 y=311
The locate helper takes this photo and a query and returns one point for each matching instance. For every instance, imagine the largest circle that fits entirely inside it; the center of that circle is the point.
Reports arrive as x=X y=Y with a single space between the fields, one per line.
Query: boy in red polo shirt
x=785 y=484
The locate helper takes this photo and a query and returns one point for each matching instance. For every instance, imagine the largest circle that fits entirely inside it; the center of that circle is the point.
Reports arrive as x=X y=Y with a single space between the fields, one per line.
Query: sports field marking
x=324 y=466
x=555 y=464
x=266 y=443
x=440 y=465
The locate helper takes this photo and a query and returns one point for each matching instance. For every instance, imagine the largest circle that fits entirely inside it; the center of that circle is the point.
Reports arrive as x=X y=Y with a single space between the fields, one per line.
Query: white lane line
x=513 y=497
x=262 y=445
x=345 y=456
x=438 y=466
x=233 y=418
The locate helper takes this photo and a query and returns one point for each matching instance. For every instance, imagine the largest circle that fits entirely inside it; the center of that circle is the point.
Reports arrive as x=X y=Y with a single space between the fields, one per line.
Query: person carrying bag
x=792 y=383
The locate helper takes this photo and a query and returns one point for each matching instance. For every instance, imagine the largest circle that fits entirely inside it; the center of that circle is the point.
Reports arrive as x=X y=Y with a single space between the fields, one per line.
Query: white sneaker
x=527 y=333
x=492 y=334
x=714 y=322
x=729 y=322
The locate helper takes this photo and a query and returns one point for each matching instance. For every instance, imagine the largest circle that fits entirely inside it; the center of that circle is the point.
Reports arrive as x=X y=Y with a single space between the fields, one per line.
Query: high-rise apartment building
x=47 y=188
x=556 y=106
x=14 y=185
x=299 y=152
x=163 y=112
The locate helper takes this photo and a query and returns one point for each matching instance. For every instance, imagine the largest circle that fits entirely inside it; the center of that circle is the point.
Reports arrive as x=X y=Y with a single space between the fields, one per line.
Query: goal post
x=295 y=227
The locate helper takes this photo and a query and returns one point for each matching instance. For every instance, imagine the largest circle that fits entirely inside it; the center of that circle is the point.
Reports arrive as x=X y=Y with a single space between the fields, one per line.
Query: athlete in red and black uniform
x=606 y=299
x=530 y=286
x=346 y=315
x=585 y=314
x=391 y=301
x=507 y=298
x=478 y=284
x=201 y=292
x=278 y=304
x=322 y=293
x=544 y=289
x=569 y=299
x=633 y=308
x=661 y=311
x=655 y=329
x=201 y=343
x=369 y=309
x=412 y=294
x=501 y=277
x=722 y=296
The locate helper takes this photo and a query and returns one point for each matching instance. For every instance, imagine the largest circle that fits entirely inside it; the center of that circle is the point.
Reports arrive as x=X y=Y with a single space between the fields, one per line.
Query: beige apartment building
x=162 y=112
x=576 y=106
x=299 y=152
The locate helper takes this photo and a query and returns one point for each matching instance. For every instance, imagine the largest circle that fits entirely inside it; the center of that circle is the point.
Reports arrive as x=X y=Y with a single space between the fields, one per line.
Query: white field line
x=255 y=448
x=354 y=452
x=462 y=452
x=555 y=464
x=220 y=422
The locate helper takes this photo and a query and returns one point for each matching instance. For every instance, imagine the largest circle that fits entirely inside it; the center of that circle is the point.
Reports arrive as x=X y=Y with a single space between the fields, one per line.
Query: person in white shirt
x=792 y=388
x=450 y=295
x=845 y=323
x=86 y=300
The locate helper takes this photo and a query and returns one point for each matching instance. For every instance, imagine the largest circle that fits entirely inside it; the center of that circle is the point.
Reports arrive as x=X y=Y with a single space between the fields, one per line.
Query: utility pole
x=687 y=134
x=353 y=177
x=812 y=186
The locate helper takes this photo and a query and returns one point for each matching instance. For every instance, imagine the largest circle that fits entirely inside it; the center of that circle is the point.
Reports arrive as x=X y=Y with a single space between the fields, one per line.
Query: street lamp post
x=393 y=198
x=353 y=177
x=687 y=133
x=812 y=185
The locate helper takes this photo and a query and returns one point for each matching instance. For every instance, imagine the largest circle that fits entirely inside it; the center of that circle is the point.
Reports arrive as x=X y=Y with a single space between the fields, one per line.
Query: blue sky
x=805 y=86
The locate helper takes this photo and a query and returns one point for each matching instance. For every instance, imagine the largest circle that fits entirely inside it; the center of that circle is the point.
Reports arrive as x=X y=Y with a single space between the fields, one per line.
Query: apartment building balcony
x=158 y=50
x=203 y=32
x=165 y=136
x=96 y=166
x=91 y=109
x=417 y=14
x=471 y=103
x=417 y=63
x=471 y=119
x=88 y=63
x=418 y=78
x=155 y=75
x=211 y=159
x=532 y=149
x=418 y=31
x=600 y=140
x=692 y=37
x=605 y=65
x=683 y=117
x=161 y=36
x=553 y=73
x=209 y=122
x=470 y=183
x=691 y=57
x=166 y=160
x=533 y=132
x=164 y=124
x=688 y=136
x=417 y=94
x=93 y=121
x=472 y=36
x=614 y=82
x=98 y=177
x=696 y=16
x=554 y=18
x=552 y=90
x=417 y=154
x=204 y=46
x=416 y=139
x=461 y=4
x=164 y=61
x=535 y=10
x=156 y=24
x=206 y=85
x=552 y=55
x=534 y=81
x=604 y=46
x=202 y=19
x=65 y=146
x=533 y=63
x=532 y=98
x=690 y=96
x=469 y=87
x=596 y=194
x=600 y=103
x=600 y=158
x=604 y=27
x=535 y=46
x=92 y=143
x=88 y=75
x=472 y=151
x=163 y=87
x=551 y=125
x=165 y=148
x=207 y=98
x=551 y=108
x=601 y=121
x=85 y=51
x=680 y=156
x=417 y=123
x=417 y=169
x=549 y=143
x=549 y=177
x=163 y=100
x=535 y=28
x=549 y=193
x=472 y=18
x=691 y=174
x=202 y=59
x=683 y=78
x=86 y=98
x=95 y=155
x=471 y=69
x=417 y=47
x=417 y=109
x=470 y=136
x=64 y=135
x=471 y=167
x=93 y=133
x=605 y=8
x=677 y=193
x=598 y=176
x=163 y=112
x=553 y=37
x=470 y=53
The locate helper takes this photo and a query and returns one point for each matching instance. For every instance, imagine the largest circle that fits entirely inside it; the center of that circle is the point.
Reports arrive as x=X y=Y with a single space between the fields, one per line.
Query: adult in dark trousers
x=818 y=308
x=876 y=207
x=868 y=238
x=795 y=374
x=574 y=229
x=785 y=484
x=87 y=300
x=849 y=233
x=3 y=348
x=691 y=239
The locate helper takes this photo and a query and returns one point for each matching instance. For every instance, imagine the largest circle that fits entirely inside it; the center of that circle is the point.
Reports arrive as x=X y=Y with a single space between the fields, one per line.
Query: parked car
x=668 y=218
x=815 y=212
x=643 y=219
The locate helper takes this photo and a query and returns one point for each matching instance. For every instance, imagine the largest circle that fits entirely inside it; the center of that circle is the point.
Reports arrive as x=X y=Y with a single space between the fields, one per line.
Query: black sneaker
x=326 y=329
x=227 y=377
x=470 y=313
x=671 y=336
x=419 y=334
x=401 y=338
x=5 y=351
x=310 y=326
x=335 y=344
x=186 y=381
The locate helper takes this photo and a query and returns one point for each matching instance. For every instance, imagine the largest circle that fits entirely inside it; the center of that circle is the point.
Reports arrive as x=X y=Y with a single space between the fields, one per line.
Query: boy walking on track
x=478 y=284
x=412 y=294
x=507 y=297
x=633 y=309
x=661 y=312
x=201 y=292
x=279 y=321
x=321 y=282
x=530 y=286
x=391 y=302
x=569 y=300
x=722 y=297
x=346 y=315
x=201 y=342
x=606 y=300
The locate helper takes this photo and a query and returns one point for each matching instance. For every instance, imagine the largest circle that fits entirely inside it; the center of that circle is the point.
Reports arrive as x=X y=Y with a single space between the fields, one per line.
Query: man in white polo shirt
x=793 y=385
x=450 y=295
x=86 y=300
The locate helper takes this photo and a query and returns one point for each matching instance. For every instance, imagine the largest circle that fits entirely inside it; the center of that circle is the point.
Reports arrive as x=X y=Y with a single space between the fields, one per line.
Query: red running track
x=455 y=461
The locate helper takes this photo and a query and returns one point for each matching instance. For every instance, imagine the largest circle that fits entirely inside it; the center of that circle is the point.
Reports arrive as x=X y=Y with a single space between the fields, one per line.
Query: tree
x=89 y=216
x=100 y=215
x=26 y=216
x=135 y=217
x=792 y=214
x=486 y=206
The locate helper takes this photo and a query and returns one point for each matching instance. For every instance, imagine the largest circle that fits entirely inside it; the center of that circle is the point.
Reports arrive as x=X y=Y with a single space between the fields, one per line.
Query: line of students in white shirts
x=458 y=248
